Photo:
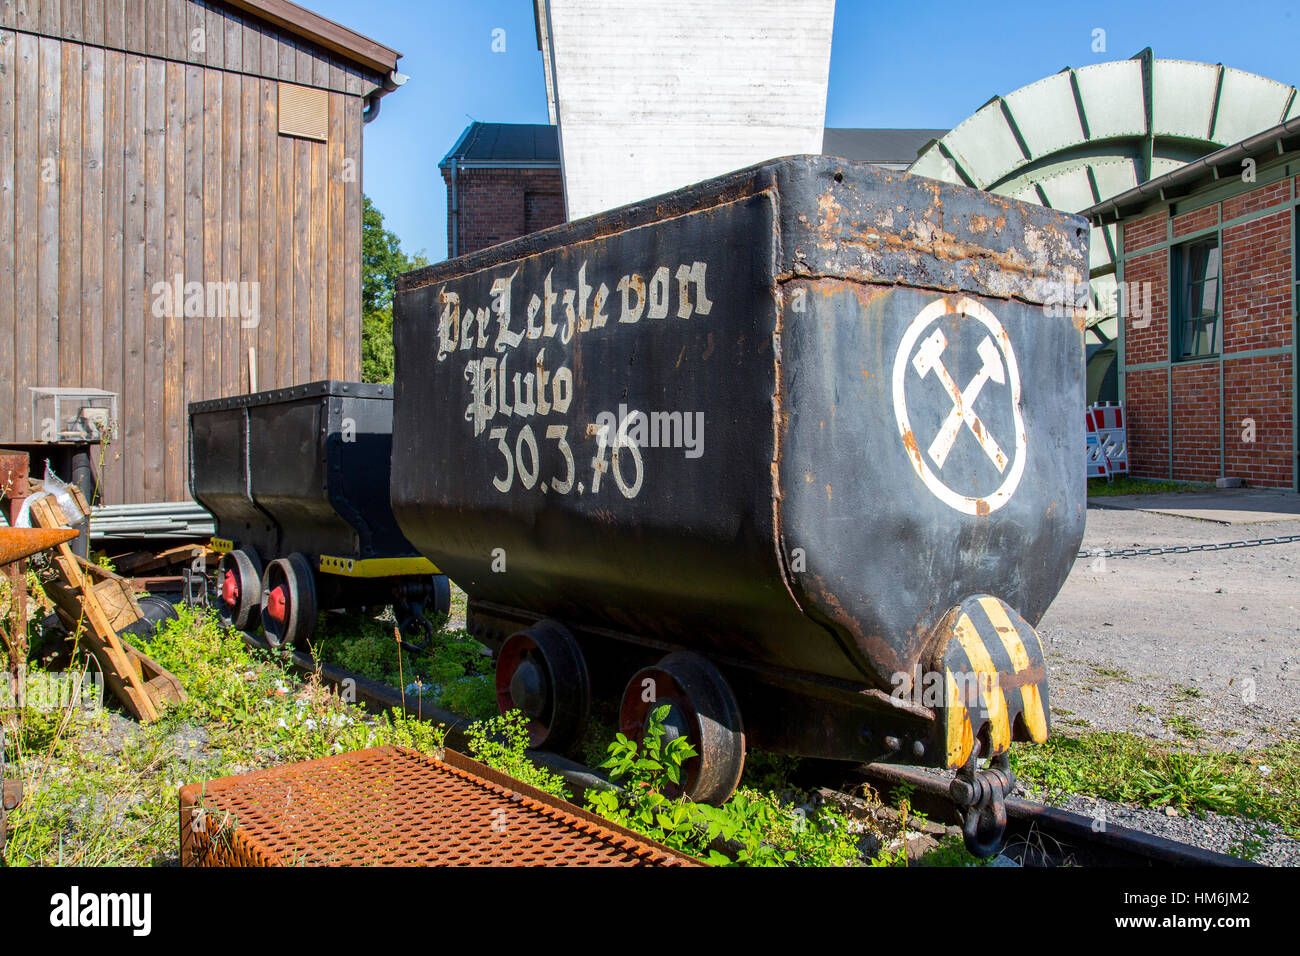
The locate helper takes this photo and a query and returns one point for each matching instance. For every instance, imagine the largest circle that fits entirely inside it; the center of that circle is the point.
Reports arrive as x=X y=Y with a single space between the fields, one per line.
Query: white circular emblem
x=921 y=356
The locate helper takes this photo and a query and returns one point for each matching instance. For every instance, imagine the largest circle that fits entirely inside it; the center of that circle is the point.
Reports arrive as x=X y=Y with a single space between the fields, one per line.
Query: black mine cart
x=791 y=455
x=297 y=482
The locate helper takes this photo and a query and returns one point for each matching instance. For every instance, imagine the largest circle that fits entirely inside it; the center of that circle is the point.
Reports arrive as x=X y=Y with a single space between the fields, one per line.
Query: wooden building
x=180 y=212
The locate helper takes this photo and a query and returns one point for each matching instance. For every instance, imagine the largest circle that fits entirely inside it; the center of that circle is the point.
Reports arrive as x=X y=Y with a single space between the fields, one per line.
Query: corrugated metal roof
x=537 y=144
x=878 y=145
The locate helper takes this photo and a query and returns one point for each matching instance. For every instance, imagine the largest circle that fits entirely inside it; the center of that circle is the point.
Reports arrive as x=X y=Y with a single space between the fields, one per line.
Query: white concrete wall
x=652 y=96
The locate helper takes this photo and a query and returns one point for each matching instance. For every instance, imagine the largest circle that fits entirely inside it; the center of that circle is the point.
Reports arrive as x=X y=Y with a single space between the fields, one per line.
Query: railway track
x=1036 y=835
x=1039 y=835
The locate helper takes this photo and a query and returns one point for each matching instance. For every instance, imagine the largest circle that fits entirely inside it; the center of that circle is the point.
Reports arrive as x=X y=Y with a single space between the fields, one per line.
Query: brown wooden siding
x=120 y=170
x=202 y=32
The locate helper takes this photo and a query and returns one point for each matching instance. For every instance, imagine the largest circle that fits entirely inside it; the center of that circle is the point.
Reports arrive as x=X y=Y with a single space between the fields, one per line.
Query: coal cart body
x=297 y=482
x=802 y=441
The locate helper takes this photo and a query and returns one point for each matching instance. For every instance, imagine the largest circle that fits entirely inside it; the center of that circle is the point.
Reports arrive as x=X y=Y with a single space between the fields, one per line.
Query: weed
x=454 y=672
x=1184 y=726
x=1250 y=846
x=1124 y=768
x=1186 y=783
x=1112 y=673
x=952 y=851
x=500 y=743
x=766 y=771
x=757 y=828
x=1101 y=487
x=99 y=794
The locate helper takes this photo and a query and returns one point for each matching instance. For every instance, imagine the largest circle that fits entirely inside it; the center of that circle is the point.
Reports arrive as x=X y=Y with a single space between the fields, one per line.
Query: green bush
x=757 y=828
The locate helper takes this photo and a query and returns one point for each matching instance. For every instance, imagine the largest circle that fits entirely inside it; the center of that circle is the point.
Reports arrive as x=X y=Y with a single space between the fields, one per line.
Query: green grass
x=454 y=672
x=1111 y=673
x=96 y=796
x=1100 y=487
x=1184 y=726
x=1260 y=784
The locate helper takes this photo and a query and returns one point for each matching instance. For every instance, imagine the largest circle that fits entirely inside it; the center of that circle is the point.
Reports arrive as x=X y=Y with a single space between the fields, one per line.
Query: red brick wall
x=496 y=205
x=543 y=209
x=1196 y=421
x=1257 y=283
x=1258 y=264
x=1200 y=219
x=1258 y=389
x=1256 y=199
x=1144 y=232
x=1146 y=395
x=1146 y=338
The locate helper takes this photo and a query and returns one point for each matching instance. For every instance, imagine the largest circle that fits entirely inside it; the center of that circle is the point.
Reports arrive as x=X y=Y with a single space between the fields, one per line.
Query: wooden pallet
x=105 y=602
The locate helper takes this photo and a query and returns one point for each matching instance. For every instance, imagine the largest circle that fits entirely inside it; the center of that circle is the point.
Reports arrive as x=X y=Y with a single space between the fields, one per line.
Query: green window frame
x=1197 y=315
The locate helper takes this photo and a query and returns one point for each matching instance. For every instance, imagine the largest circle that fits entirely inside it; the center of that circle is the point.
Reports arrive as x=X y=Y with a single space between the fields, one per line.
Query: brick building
x=504 y=179
x=1208 y=363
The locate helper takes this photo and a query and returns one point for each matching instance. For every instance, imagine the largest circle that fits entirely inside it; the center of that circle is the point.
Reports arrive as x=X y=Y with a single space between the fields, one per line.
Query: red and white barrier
x=1107 y=446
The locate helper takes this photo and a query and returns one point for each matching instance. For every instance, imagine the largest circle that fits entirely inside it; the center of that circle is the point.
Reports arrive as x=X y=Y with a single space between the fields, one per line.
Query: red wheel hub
x=276 y=603
x=230 y=589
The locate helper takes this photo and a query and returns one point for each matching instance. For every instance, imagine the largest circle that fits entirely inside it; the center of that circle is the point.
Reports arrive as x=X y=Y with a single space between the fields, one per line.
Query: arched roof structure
x=1081 y=136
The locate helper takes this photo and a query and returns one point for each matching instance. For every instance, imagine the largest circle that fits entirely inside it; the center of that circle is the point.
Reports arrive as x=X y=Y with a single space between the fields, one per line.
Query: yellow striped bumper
x=995 y=680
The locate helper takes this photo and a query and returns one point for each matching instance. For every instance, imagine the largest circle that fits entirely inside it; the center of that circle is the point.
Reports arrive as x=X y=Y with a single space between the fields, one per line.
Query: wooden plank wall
x=127 y=158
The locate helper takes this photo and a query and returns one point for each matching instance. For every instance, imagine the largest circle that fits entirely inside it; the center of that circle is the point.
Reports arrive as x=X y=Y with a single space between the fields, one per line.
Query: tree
x=382 y=261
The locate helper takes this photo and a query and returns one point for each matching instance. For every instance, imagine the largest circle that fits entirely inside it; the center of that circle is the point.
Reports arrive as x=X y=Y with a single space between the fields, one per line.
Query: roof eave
x=1155 y=190
x=324 y=32
x=463 y=164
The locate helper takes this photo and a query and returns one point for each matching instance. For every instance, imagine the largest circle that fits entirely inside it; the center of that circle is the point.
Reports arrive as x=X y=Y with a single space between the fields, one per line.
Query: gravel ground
x=1184 y=634
x=1253 y=839
x=1208 y=641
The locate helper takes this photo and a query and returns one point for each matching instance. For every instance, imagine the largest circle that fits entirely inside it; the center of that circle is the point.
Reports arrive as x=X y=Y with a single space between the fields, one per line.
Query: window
x=1197 y=329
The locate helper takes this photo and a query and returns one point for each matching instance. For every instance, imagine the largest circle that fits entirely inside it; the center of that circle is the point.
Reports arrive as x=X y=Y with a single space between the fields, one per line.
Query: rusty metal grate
x=393 y=806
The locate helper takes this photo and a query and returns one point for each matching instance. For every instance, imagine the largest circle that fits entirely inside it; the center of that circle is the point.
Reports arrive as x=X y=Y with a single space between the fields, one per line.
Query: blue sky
x=925 y=64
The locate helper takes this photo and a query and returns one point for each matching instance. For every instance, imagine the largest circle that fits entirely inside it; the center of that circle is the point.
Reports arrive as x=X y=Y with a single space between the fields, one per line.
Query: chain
x=1188 y=548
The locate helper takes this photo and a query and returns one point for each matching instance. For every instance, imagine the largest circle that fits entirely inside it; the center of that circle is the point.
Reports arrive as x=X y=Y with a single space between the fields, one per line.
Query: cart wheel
x=288 y=601
x=541 y=672
x=702 y=708
x=239 y=589
x=440 y=596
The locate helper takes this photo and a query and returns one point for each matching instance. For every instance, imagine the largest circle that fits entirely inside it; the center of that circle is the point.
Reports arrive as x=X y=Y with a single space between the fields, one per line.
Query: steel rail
x=1072 y=836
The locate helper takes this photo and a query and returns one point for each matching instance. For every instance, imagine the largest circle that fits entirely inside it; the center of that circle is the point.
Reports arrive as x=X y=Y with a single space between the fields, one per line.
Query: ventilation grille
x=304 y=112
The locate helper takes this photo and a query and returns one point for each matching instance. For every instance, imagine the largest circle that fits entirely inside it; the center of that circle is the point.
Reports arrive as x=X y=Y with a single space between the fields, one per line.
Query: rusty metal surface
x=11 y=795
x=889 y=415
x=392 y=806
x=19 y=543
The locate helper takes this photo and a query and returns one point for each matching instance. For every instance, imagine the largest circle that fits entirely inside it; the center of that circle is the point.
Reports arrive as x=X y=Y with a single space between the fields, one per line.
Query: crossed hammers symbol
x=929 y=358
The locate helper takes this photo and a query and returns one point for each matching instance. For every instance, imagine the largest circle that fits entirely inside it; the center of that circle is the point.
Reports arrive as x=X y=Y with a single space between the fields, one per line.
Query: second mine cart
x=297 y=482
